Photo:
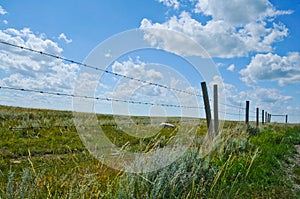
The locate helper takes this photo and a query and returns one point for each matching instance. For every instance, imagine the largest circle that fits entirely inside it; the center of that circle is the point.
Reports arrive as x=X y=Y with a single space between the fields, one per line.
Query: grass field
x=42 y=156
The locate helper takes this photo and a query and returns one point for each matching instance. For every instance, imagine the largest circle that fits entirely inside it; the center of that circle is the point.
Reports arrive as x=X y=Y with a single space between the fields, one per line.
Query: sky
x=249 y=47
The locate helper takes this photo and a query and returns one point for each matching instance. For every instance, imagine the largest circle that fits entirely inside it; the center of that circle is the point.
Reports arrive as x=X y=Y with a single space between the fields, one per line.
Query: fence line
x=112 y=73
x=264 y=119
x=267 y=118
x=267 y=115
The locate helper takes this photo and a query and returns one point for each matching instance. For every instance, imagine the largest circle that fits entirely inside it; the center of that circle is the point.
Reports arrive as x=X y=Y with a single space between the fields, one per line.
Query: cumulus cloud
x=64 y=37
x=231 y=67
x=2 y=11
x=24 y=69
x=128 y=89
x=5 y=22
x=267 y=96
x=136 y=69
x=269 y=99
x=170 y=3
x=171 y=40
x=231 y=31
x=272 y=67
x=238 y=12
x=233 y=100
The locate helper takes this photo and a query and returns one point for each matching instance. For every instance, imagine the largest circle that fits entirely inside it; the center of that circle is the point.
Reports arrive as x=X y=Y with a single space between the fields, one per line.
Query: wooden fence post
x=270 y=117
x=257 y=117
x=207 y=108
x=286 y=119
x=247 y=113
x=263 y=116
x=216 y=110
x=266 y=117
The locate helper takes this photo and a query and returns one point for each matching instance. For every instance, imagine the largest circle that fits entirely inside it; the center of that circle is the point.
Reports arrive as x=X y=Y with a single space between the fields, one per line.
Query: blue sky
x=254 y=45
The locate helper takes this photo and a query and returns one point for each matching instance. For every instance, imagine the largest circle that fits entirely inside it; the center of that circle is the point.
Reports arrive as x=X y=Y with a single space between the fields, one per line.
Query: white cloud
x=108 y=54
x=267 y=96
x=2 y=11
x=269 y=99
x=231 y=31
x=24 y=69
x=136 y=69
x=170 y=3
x=161 y=37
x=5 y=22
x=238 y=12
x=293 y=114
x=219 y=64
x=272 y=67
x=64 y=37
x=231 y=67
x=127 y=89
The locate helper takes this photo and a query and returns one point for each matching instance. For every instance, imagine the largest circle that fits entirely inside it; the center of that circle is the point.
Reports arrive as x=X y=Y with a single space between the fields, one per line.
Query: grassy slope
x=52 y=162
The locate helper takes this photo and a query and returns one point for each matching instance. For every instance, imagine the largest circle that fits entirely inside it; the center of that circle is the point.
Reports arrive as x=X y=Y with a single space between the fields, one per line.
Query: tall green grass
x=53 y=163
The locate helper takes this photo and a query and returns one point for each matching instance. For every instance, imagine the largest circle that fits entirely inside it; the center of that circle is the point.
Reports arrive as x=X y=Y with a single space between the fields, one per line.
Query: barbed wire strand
x=99 y=69
x=100 y=98
x=232 y=106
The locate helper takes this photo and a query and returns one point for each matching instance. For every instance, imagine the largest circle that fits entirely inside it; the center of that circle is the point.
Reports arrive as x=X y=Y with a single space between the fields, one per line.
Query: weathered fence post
x=286 y=119
x=207 y=108
x=263 y=116
x=247 y=113
x=270 y=117
x=216 y=110
x=266 y=117
x=257 y=117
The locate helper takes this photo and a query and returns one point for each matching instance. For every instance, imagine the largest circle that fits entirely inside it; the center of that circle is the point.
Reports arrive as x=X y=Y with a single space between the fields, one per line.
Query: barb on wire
x=100 y=98
x=99 y=69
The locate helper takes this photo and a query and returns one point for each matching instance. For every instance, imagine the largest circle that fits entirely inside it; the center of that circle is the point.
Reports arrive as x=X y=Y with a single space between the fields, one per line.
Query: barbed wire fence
x=240 y=111
x=236 y=111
